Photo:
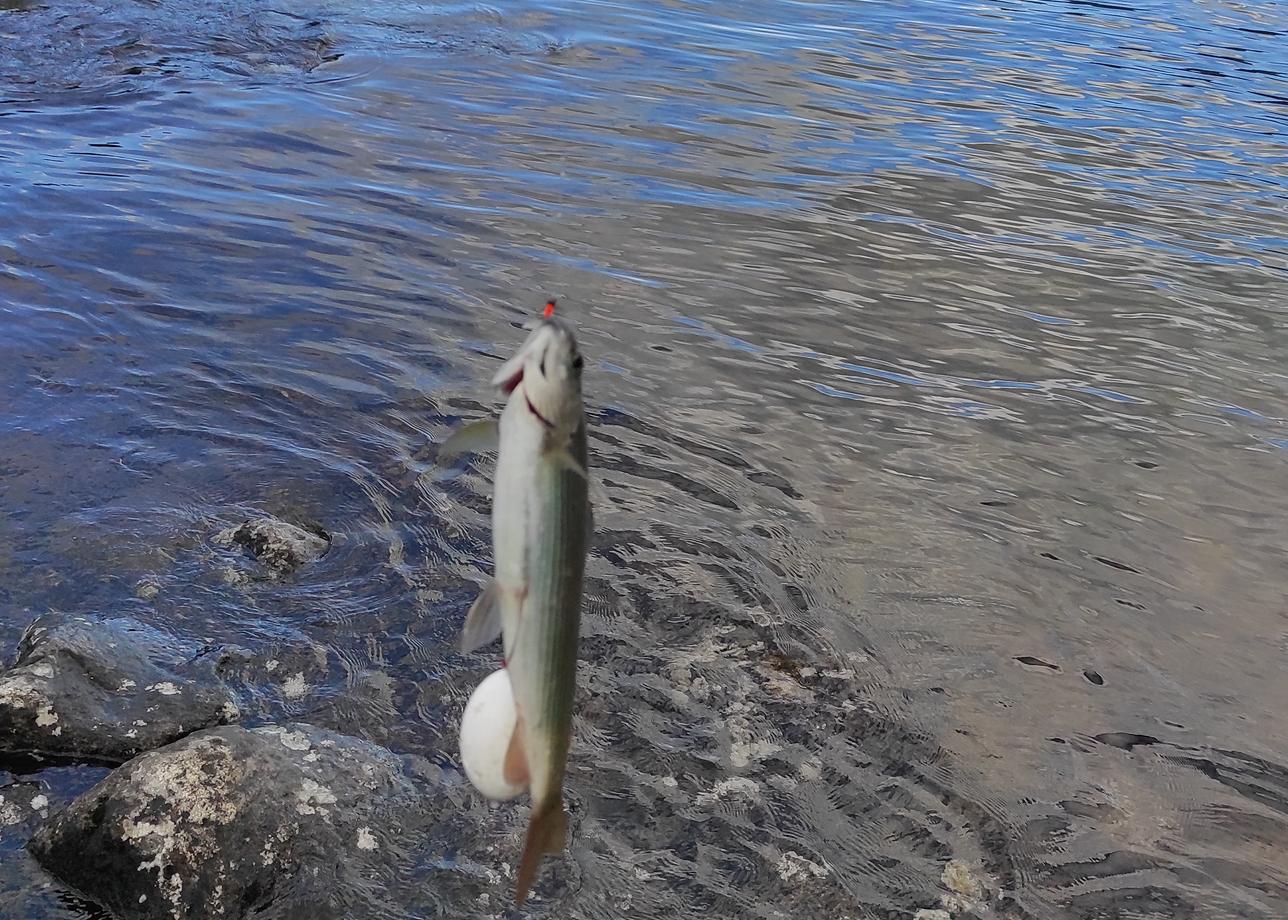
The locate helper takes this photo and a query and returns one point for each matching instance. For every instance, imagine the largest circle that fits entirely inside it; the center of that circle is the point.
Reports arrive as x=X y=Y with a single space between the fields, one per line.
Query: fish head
x=546 y=372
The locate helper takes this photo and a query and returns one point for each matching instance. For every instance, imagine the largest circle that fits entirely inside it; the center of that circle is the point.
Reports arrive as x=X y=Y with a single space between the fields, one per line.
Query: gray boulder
x=230 y=820
x=280 y=547
x=103 y=691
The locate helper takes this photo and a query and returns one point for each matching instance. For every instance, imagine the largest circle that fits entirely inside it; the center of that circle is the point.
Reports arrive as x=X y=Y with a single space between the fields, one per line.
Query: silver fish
x=541 y=524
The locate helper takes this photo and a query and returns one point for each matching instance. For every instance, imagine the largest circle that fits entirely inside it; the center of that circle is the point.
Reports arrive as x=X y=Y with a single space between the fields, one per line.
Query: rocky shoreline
x=202 y=817
x=198 y=815
x=224 y=786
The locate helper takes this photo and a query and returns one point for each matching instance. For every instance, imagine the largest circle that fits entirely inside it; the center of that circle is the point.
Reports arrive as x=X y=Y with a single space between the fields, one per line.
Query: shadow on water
x=937 y=405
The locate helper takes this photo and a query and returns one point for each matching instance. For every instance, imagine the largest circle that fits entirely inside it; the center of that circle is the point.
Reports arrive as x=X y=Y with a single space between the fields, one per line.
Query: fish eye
x=577 y=363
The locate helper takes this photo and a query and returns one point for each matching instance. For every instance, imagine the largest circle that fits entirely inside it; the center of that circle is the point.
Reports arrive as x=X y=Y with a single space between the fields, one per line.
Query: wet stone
x=966 y=889
x=22 y=804
x=277 y=676
x=1032 y=661
x=280 y=547
x=102 y=691
x=230 y=821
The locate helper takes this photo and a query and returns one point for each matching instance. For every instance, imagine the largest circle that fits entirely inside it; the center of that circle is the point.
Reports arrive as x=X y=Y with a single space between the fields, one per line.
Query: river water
x=937 y=372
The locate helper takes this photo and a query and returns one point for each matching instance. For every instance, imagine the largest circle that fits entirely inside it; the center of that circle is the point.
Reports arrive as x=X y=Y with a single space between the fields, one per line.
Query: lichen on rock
x=231 y=820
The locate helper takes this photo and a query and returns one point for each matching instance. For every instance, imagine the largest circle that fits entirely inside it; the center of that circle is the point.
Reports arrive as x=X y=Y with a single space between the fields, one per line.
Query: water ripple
x=935 y=366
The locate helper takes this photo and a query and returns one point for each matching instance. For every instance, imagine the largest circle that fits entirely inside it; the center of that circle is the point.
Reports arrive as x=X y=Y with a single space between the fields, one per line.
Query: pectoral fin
x=565 y=459
x=484 y=434
x=483 y=622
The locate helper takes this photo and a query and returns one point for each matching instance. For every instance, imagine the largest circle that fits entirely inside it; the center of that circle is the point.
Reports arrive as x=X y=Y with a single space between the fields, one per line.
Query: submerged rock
x=966 y=890
x=231 y=820
x=103 y=691
x=21 y=804
x=280 y=547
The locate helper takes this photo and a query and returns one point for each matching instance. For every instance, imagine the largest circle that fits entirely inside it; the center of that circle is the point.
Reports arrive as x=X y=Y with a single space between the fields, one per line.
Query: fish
x=541 y=527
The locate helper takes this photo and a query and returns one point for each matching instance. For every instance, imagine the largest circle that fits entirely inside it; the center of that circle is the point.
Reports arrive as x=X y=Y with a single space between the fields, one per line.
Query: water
x=936 y=366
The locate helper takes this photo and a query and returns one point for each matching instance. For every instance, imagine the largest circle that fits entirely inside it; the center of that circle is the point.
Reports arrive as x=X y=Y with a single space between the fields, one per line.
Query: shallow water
x=937 y=380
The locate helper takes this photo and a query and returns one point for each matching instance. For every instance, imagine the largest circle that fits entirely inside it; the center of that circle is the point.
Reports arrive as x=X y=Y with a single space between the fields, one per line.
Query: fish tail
x=546 y=830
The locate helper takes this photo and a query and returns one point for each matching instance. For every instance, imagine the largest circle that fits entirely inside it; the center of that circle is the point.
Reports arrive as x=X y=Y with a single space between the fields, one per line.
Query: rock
x=231 y=820
x=21 y=803
x=103 y=691
x=278 y=676
x=957 y=878
x=280 y=547
x=966 y=889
